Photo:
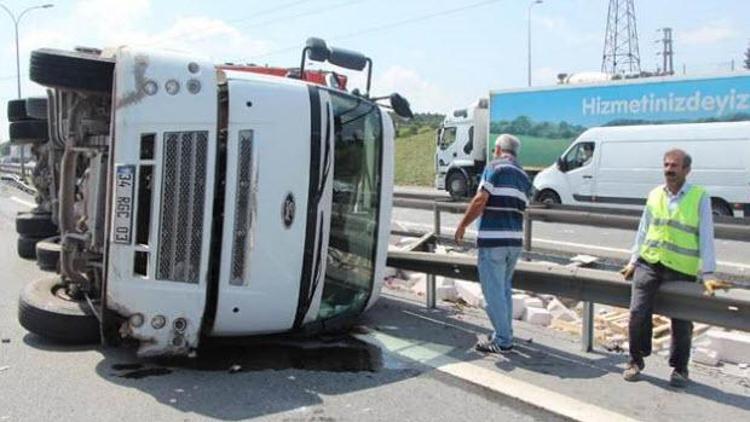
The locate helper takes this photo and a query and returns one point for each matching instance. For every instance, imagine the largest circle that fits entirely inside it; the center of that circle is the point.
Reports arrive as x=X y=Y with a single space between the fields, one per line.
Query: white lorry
x=195 y=201
x=548 y=119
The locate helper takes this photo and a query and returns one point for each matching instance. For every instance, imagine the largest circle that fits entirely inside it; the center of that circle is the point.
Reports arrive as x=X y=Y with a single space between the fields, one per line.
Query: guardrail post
x=436 y=210
x=430 y=288
x=526 y=232
x=587 y=328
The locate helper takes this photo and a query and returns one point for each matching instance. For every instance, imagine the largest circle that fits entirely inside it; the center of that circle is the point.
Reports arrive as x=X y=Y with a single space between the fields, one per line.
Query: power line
x=386 y=26
x=247 y=18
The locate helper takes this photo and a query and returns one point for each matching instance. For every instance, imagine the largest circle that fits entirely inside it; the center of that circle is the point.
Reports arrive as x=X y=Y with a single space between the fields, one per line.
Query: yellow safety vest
x=672 y=237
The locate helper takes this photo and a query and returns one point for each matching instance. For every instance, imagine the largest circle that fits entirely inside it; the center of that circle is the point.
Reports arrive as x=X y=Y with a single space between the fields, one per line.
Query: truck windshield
x=356 y=202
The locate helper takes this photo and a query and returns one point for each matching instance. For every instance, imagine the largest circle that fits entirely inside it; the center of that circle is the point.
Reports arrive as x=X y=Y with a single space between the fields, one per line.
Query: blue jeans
x=496 y=267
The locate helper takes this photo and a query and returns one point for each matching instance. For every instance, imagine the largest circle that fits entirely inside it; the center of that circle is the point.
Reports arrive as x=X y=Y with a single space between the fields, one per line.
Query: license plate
x=123 y=209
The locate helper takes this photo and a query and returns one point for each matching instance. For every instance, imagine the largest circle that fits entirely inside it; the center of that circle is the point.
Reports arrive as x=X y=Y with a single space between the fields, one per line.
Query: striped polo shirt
x=509 y=187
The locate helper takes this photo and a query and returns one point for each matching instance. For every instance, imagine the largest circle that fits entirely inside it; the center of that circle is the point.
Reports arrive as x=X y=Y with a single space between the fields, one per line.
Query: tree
x=747 y=57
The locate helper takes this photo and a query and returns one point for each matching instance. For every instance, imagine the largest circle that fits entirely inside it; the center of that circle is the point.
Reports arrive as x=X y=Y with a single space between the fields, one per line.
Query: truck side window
x=579 y=156
x=470 y=144
x=448 y=137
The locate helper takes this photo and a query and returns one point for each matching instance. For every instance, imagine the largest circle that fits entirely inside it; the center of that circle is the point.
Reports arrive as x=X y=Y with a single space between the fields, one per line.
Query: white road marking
x=563 y=243
x=436 y=356
x=22 y=202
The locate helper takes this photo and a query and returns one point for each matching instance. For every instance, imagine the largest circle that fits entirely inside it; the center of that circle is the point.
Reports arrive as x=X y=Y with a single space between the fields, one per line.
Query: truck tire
x=457 y=185
x=26 y=246
x=71 y=70
x=17 y=110
x=35 y=225
x=48 y=253
x=548 y=196
x=36 y=108
x=28 y=132
x=46 y=310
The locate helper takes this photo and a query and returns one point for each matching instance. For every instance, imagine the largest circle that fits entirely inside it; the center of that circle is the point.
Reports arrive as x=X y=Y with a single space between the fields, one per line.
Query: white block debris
x=534 y=302
x=470 y=292
x=705 y=356
x=446 y=289
x=731 y=346
x=561 y=312
x=519 y=305
x=538 y=316
x=420 y=287
x=584 y=260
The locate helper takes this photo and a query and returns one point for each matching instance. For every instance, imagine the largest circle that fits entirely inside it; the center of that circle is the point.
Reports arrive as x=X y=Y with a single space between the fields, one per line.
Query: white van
x=618 y=166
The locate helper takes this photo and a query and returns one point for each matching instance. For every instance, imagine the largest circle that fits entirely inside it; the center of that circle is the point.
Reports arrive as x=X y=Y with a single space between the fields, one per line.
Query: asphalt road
x=44 y=381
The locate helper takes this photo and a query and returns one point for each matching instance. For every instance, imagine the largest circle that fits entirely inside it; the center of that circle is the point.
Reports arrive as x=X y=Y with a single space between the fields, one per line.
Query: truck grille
x=183 y=188
x=243 y=210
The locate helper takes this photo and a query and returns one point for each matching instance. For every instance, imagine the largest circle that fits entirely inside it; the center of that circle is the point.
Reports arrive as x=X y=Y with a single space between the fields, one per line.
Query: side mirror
x=401 y=106
x=317 y=50
x=561 y=165
x=347 y=59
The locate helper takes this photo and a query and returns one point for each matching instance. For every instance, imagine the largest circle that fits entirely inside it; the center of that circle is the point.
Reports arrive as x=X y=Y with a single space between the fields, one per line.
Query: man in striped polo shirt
x=500 y=201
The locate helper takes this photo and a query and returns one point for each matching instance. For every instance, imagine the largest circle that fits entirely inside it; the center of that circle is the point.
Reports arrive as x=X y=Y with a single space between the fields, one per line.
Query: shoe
x=679 y=378
x=633 y=371
x=492 y=347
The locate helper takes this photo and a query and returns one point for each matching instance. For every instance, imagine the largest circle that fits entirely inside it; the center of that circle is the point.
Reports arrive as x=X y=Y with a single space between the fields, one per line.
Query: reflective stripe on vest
x=672 y=237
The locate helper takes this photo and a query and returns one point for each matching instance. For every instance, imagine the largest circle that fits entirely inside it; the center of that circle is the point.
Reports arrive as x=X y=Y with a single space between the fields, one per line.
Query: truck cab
x=461 y=152
x=196 y=201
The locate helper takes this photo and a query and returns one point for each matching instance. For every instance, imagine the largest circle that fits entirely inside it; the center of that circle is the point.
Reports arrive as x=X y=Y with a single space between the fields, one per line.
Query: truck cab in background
x=461 y=152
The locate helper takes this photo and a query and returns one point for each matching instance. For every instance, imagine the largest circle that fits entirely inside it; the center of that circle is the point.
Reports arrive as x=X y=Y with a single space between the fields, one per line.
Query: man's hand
x=459 y=235
x=628 y=271
x=711 y=285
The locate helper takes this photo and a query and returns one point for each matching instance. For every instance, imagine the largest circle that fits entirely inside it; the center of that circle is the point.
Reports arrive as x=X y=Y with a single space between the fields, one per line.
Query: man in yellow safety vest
x=675 y=242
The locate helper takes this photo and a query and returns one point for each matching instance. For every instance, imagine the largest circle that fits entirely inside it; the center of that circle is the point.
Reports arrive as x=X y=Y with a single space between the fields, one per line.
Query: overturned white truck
x=196 y=201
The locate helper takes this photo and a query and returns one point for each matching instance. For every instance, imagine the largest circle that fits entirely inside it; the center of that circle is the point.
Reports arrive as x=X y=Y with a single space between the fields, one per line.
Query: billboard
x=548 y=120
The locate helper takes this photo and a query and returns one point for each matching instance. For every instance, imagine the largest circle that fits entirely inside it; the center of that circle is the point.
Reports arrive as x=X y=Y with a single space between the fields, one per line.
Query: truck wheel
x=36 y=108
x=48 y=253
x=548 y=197
x=28 y=132
x=45 y=309
x=27 y=247
x=17 y=110
x=35 y=225
x=71 y=70
x=457 y=186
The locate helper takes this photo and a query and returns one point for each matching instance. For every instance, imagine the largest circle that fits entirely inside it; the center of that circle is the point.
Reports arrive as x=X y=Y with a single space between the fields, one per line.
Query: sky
x=439 y=54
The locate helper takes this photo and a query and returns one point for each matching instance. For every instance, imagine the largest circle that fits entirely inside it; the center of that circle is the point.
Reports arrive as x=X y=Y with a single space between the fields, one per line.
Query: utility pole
x=621 y=52
x=532 y=4
x=667 y=53
x=16 y=20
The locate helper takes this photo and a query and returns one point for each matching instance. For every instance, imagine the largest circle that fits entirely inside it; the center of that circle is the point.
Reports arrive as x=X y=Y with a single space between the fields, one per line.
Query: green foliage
x=415 y=158
x=420 y=121
x=522 y=125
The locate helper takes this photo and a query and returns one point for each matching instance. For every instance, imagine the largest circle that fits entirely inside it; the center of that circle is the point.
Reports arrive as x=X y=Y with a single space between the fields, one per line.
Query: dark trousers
x=646 y=282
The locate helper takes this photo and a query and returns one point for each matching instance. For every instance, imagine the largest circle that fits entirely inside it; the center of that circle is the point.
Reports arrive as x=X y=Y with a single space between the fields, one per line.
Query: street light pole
x=532 y=4
x=16 y=20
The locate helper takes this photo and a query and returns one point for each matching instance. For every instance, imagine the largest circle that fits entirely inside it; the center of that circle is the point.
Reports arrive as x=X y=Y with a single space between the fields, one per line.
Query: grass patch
x=415 y=159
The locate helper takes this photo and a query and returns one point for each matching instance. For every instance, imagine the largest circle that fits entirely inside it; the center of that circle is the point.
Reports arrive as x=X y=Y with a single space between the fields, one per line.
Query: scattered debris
x=234 y=369
x=583 y=260
x=6 y=340
x=537 y=316
x=4 y=368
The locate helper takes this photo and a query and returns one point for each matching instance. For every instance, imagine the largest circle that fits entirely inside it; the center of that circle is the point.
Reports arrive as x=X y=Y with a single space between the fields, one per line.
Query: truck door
x=446 y=152
x=578 y=166
x=276 y=208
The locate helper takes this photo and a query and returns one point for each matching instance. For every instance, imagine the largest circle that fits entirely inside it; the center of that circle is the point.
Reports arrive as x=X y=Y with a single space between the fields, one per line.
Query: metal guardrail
x=675 y=299
x=728 y=228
